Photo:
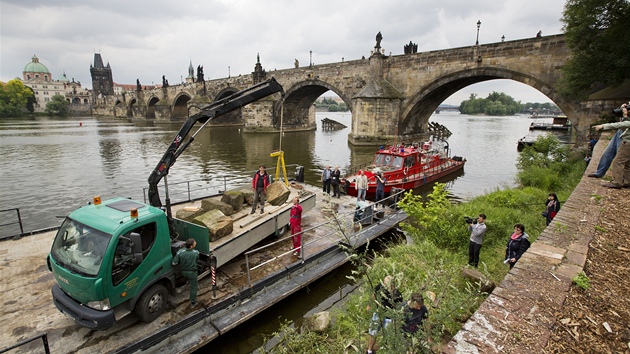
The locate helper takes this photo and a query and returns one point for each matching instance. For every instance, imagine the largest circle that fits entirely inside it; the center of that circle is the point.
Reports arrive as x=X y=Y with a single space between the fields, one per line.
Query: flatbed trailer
x=28 y=311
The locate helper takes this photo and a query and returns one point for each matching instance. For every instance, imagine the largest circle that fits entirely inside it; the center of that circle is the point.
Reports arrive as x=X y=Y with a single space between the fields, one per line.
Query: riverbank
x=537 y=308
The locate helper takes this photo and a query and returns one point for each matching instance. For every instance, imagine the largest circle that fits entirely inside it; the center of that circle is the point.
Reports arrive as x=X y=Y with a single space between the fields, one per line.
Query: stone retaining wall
x=519 y=314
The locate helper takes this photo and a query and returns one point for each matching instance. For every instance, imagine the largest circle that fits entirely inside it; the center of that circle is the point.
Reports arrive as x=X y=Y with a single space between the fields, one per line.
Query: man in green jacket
x=188 y=258
x=621 y=163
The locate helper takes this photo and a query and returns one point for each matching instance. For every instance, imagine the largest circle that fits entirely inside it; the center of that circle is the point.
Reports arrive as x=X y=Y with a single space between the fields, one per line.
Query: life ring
x=406 y=170
x=388 y=158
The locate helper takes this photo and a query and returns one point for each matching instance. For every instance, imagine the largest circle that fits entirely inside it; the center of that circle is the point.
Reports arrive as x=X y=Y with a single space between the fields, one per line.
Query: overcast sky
x=145 y=39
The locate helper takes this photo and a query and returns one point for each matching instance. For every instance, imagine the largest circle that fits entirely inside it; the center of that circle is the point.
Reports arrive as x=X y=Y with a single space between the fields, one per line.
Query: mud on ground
x=597 y=320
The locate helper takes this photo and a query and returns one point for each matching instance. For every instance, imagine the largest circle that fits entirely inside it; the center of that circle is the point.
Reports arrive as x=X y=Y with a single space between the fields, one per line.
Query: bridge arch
x=417 y=110
x=180 y=106
x=130 y=109
x=299 y=99
x=232 y=118
x=151 y=107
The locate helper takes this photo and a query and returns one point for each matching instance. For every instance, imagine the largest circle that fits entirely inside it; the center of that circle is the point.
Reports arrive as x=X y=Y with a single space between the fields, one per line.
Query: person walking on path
x=552 y=207
x=326 y=175
x=611 y=150
x=335 y=181
x=477 y=231
x=621 y=162
x=361 y=185
x=380 y=189
x=188 y=258
x=517 y=244
x=295 y=221
x=260 y=182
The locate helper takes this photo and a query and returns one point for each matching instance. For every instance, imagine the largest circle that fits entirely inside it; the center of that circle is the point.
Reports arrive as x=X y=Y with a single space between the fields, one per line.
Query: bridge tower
x=102 y=81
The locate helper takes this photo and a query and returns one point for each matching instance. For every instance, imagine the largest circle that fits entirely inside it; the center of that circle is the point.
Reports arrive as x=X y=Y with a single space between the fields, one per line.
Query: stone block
x=277 y=193
x=189 y=213
x=319 y=322
x=217 y=223
x=213 y=204
x=234 y=198
x=476 y=276
x=247 y=192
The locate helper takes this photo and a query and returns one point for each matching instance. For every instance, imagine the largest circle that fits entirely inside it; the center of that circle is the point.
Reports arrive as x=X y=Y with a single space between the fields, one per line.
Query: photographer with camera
x=477 y=229
x=611 y=150
x=621 y=162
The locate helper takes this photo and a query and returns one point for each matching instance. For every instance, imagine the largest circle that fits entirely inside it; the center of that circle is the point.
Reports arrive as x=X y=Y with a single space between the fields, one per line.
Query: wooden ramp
x=331 y=124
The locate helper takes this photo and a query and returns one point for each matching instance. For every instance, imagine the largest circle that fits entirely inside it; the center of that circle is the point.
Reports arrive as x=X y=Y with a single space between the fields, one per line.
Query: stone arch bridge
x=388 y=95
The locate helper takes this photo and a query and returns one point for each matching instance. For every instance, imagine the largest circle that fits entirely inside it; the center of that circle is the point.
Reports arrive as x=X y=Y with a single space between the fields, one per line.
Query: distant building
x=102 y=81
x=37 y=77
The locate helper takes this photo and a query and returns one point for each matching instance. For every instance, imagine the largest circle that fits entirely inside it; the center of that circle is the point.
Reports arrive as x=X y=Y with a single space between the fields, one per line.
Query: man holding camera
x=621 y=162
x=477 y=230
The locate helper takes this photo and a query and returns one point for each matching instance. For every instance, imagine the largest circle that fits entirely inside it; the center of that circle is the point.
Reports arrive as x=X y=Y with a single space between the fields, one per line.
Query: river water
x=51 y=166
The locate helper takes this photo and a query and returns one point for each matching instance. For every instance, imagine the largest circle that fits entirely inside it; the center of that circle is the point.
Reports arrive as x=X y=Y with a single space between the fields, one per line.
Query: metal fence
x=359 y=217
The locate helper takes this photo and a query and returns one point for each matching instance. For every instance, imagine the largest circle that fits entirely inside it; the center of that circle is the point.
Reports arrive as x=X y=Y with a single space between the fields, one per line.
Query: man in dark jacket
x=260 y=182
x=188 y=258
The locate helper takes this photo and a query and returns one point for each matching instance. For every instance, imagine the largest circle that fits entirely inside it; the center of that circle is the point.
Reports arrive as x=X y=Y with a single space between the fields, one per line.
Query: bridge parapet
x=421 y=82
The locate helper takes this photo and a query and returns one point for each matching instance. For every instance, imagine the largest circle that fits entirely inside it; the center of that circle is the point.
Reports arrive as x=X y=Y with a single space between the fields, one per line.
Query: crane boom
x=207 y=113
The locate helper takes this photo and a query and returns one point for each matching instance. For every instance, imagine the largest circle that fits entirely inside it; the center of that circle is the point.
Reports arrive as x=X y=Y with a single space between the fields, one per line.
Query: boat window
x=409 y=161
x=80 y=248
x=386 y=160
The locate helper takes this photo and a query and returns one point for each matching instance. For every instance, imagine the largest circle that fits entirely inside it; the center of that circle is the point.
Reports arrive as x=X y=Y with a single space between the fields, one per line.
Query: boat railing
x=355 y=218
x=191 y=190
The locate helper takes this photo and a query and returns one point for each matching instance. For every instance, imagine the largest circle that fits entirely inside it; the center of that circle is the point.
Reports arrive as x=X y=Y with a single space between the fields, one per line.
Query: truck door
x=129 y=271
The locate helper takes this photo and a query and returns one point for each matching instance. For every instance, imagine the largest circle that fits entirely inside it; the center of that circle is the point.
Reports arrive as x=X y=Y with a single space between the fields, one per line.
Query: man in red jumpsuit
x=295 y=222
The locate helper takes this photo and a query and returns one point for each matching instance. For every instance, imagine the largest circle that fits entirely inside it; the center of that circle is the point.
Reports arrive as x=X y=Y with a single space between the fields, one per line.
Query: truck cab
x=108 y=262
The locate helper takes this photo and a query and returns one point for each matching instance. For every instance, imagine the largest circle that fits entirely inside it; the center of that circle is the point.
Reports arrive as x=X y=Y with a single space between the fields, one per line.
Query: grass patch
x=434 y=262
x=581 y=281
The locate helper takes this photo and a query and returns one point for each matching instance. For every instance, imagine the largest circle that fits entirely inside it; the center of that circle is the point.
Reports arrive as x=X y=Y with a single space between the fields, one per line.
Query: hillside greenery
x=332 y=105
x=433 y=261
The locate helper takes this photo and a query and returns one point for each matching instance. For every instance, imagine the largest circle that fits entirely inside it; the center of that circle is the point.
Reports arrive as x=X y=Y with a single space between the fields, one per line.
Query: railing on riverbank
x=18 y=222
x=361 y=216
x=189 y=191
x=43 y=336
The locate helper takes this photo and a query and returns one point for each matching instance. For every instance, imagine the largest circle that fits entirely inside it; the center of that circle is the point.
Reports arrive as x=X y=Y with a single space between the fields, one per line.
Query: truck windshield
x=80 y=248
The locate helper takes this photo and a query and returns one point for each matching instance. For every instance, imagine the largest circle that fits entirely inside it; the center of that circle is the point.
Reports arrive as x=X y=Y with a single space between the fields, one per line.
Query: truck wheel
x=282 y=230
x=152 y=303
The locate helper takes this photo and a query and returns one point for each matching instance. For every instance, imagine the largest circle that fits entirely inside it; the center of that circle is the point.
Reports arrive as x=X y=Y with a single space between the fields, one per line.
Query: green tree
x=597 y=33
x=14 y=97
x=497 y=104
x=57 y=106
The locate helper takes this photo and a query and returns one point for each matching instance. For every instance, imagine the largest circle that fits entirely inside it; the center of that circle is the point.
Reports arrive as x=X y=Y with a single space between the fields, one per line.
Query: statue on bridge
x=138 y=86
x=297 y=64
x=411 y=48
x=200 y=73
x=164 y=81
x=379 y=37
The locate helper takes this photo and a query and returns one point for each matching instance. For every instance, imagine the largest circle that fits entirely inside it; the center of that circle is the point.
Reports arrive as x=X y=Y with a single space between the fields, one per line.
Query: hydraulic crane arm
x=208 y=112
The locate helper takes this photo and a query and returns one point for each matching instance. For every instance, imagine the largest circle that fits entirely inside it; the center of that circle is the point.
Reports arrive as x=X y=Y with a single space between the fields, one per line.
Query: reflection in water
x=52 y=166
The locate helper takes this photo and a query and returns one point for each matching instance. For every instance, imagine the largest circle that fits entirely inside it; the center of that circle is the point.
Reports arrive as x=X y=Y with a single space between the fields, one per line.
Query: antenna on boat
x=396 y=135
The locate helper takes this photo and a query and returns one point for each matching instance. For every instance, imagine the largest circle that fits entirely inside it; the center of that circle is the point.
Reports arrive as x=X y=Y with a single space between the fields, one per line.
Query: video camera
x=470 y=220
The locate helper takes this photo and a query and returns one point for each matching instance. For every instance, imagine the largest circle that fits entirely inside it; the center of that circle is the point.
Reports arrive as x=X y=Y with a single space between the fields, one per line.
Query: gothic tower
x=102 y=82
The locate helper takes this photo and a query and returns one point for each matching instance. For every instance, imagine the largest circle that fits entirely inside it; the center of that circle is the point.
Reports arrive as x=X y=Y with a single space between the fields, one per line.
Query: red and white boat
x=408 y=166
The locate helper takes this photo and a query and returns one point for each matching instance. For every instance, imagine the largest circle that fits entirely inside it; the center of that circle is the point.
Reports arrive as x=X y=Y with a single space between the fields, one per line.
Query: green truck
x=114 y=257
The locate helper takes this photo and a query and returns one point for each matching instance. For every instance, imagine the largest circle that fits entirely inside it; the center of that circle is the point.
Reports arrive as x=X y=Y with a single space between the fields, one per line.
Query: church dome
x=35 y=66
